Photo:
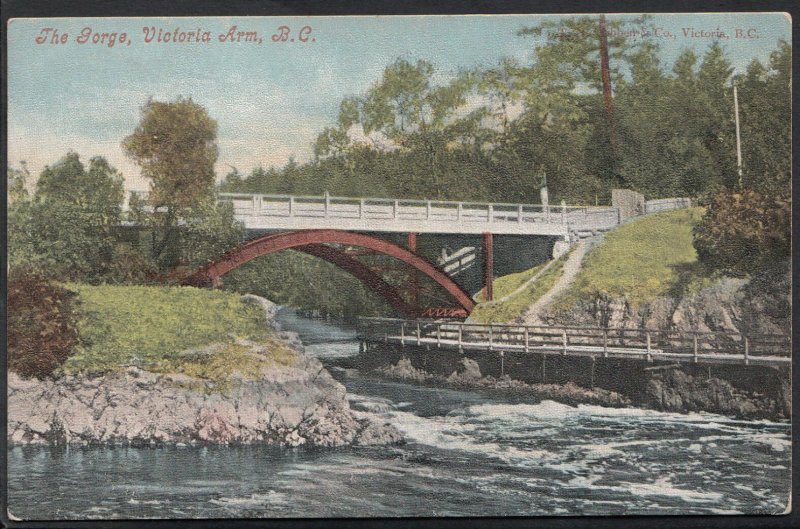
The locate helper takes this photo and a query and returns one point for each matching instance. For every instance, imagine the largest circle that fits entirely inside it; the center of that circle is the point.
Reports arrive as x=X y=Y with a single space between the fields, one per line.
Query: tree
x=744 y=231
x=16 y=181
x=66 y=228
x=175 y=146
x=765 y=116
x=419 y=118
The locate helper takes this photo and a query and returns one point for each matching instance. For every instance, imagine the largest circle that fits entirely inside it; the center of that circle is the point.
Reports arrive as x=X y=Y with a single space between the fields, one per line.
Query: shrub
x=744 y=231
x=42 y=330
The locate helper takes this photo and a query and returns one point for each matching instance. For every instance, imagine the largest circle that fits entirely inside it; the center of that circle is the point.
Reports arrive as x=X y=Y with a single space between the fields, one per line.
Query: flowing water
x=467 y=454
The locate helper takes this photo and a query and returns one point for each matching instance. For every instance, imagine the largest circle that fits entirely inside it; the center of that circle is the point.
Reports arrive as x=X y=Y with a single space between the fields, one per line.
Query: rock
x=404 y=370
x=268 y=306
x=374 y=433
x=678 y=391
x=292 y=405
x=467 y=372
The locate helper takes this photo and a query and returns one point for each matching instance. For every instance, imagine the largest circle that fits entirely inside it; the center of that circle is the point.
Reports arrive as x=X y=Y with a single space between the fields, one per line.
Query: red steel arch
x=314 y=242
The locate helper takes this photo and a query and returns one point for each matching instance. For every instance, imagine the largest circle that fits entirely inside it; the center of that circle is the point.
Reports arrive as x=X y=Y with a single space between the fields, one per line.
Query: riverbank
x=744 y=392
x=238 y=391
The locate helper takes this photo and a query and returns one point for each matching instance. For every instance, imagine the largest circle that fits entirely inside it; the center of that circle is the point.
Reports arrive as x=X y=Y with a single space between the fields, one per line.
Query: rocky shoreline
x=288 y=405
x=468 y=375
x=670 y=389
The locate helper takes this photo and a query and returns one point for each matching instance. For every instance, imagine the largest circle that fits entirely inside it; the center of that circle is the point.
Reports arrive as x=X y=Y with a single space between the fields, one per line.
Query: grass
x=515 y=307
x=505 y=285
x=642 y=260
x=171 y=329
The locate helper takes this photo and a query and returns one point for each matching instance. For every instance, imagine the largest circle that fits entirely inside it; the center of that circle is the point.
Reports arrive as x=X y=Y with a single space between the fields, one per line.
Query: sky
x=271 y=99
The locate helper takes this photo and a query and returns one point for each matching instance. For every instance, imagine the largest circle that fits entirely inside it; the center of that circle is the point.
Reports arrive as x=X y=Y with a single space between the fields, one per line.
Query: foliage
x=209 y=230
x=175 y=146
x=150 y=327
x=646 y=258
x=494 y=133
x=129 y=266
x=41 y=325
x=65 y=229
x=516 y=306
x=16 y=181
x=744 y=231
x=299 y=280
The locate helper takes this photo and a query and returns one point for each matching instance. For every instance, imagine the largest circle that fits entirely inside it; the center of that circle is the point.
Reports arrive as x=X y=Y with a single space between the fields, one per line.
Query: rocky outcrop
x=468 y=376
x=759 y=305
x=677 y=391
x=288 y=405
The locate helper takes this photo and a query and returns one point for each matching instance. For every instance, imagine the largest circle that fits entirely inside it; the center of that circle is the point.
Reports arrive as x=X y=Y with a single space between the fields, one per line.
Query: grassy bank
x=514 y=307
x=646 y=258
x=171 y=329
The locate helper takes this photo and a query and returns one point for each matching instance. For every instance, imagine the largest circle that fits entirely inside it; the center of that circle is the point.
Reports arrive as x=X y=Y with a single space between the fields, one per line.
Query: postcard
x=398 y=266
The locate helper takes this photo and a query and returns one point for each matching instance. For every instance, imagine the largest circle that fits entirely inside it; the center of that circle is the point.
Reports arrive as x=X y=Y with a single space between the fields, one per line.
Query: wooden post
x=394 y=209
x=527 y=341
x=418 y=334
x=605 y=343
x=649 y=356
x=544 y=367
x=592 y=380
x=361 y=208
x=502 y=363
x=564 y=338
x=695 y=348
x=428 y=210
x=327 y=202
x=519 y=213
x=458 y=212
x=489 y=213
x=291 y=206
x=438 y=335
x=460 y=336
x=746 y=351
x=488 y=266
x=402 y=334
x=491 y=337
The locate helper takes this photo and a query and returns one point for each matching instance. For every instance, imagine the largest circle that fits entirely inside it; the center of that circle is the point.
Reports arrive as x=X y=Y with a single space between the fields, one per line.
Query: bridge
x=421 y=256
x=771 y=350
x=287 y=212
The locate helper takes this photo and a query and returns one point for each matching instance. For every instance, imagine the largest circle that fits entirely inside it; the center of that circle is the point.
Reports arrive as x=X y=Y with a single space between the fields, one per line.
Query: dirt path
x=570 y=272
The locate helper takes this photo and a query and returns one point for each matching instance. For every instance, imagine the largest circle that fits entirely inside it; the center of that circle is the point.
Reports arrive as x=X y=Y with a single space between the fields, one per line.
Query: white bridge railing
x=400 y=215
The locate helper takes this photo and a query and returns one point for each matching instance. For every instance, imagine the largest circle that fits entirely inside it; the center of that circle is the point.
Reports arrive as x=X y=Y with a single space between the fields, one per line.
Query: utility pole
x=607 y=100
x=738 y=137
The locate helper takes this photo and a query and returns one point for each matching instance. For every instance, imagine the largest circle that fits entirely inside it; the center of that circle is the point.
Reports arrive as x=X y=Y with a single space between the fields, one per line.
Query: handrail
x=555 y=209
x=764 y=348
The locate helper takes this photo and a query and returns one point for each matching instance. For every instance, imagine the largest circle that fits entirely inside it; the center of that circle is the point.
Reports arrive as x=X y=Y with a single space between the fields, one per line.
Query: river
x=467 y=454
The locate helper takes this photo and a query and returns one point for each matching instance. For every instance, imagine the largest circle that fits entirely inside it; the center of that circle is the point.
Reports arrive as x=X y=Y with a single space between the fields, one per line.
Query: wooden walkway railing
x=646 y=345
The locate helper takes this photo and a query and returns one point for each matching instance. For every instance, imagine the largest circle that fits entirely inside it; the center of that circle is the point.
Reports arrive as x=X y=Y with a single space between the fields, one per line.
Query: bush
x=42 y=330
x=744 y=231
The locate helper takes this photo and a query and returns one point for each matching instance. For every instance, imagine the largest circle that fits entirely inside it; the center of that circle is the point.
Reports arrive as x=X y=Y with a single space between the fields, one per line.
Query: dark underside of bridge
x=419 y=275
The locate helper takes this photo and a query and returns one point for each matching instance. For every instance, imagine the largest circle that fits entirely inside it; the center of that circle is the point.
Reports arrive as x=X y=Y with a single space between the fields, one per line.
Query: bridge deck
x=285 y=212
x=644 y=345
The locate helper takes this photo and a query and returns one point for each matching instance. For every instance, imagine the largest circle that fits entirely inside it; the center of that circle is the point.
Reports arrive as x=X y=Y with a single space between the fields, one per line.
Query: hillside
x=642 y=260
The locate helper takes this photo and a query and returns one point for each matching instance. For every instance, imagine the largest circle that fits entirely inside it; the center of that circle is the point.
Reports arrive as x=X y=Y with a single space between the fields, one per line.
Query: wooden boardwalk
x=643 y=345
